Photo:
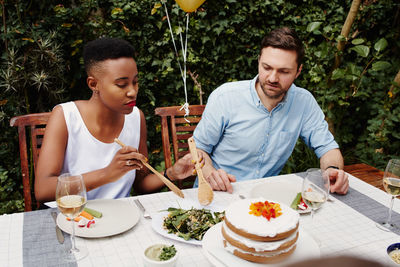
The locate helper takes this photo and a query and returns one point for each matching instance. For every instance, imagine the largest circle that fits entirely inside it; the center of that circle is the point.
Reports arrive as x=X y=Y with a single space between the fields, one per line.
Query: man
x=250 y=128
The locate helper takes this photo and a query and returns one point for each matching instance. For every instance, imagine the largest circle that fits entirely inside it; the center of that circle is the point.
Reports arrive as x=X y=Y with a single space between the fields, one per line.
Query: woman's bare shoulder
x=81 y=104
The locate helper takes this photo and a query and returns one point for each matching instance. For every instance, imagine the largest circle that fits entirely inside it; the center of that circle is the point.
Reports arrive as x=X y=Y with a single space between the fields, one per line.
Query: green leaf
x=380 y=45
x=116 y=10
x=354 y=69
x=381 y=65
x=357 y=41
x=313 y=26
x=395 y=135
x=341 y=38
x=362 y=50
x=338 y=74
x=343 y=103
x=327 y=28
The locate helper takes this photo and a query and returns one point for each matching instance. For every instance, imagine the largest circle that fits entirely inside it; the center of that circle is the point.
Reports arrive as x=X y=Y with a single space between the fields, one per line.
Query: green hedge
x=42 y=65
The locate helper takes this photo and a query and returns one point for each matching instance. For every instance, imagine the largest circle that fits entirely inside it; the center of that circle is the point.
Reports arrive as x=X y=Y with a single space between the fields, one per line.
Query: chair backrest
x=179 y=130
x=37 y=124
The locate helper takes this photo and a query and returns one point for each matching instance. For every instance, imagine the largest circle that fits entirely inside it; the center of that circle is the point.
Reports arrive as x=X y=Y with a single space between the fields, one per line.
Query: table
x=340 y=226
x=367 y=173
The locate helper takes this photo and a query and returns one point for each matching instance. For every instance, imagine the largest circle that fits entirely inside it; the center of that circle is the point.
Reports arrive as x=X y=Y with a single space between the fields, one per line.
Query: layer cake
x=260 y=230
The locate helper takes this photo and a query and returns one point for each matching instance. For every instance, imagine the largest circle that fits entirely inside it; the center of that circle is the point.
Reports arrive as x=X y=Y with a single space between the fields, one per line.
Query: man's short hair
x=105 y=48
x=284 y=38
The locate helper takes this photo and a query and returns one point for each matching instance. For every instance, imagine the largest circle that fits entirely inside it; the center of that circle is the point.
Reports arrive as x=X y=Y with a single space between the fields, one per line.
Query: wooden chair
x=37 y=123
x=178 y=132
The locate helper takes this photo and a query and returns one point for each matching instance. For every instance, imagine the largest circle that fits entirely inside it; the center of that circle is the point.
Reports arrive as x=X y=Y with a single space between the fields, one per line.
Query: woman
x=79 y=136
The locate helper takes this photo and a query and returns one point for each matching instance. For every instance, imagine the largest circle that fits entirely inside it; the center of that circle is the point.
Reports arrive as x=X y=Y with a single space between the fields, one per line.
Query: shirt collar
x=253 y=91
x=285 y=98
x=256 y=98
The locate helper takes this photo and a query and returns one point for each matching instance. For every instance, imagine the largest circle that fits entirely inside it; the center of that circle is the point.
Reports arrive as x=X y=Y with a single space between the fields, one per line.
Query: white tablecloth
x=340 y=229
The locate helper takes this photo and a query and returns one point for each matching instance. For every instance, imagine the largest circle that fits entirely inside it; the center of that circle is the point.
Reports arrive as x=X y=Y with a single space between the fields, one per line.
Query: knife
x=60 y=236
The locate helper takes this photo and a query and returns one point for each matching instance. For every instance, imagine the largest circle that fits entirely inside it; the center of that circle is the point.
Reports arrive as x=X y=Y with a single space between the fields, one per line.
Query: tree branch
x=351 y=16
x=194 y=76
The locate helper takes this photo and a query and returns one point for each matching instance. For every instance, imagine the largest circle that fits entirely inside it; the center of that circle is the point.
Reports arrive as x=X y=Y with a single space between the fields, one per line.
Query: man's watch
x=166 y=176
x=333 y=167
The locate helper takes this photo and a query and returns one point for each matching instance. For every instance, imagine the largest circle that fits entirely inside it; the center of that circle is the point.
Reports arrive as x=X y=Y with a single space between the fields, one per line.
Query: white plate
x=158 y=220
x=213 y=241
x=118 y=216
x=279 y=190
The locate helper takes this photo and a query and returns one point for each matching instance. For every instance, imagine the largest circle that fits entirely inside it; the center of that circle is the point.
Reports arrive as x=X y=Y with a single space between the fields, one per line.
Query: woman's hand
x=126 y=159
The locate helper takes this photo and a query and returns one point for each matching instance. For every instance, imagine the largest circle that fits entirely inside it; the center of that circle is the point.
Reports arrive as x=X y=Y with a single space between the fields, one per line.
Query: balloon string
x=184 y=53
x=186 y=108
x=173 y=41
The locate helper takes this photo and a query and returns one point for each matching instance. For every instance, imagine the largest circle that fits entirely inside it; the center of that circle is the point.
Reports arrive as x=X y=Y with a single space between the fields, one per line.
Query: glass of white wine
x=391 y=183
x=71 y=199
x=315 y=189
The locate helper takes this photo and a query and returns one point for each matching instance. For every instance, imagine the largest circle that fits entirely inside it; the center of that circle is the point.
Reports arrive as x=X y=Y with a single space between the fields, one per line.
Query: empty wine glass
x=315 y=189
x=391 y=183
x=71 y=199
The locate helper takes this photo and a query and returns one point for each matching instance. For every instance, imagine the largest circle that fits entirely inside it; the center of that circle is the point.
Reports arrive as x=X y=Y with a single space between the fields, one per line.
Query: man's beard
x=278 y=94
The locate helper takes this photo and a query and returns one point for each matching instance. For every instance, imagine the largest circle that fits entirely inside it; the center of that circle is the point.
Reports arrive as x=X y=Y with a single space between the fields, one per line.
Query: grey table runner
x=40 y=245
x=366 y=206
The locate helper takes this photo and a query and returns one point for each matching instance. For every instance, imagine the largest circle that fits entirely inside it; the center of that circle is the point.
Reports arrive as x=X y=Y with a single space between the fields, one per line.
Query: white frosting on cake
x=231 y=249
x=238 y=215
x=258 y=245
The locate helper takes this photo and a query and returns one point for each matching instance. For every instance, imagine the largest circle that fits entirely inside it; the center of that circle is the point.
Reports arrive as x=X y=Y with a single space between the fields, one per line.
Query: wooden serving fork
x=205 y=193
x=167 y=182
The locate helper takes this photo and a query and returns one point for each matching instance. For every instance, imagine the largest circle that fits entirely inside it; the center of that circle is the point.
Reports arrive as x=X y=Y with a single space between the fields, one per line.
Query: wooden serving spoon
x=167 y=182
x=205 y=193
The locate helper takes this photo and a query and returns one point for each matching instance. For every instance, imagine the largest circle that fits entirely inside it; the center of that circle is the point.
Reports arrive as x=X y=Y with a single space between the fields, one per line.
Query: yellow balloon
x=189 y=5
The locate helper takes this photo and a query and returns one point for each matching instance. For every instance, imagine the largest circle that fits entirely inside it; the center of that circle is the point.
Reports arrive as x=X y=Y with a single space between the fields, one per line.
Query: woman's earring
x=96 y=92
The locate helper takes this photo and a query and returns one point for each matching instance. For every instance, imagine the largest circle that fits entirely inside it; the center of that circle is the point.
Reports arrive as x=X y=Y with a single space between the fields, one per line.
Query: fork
x=145 y=213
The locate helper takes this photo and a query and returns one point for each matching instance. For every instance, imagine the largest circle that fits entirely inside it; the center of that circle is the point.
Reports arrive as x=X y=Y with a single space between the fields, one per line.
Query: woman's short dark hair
x=284 y=38
x=105 y=48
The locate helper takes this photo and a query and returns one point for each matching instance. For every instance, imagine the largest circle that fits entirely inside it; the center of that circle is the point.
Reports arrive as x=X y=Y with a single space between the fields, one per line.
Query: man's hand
x=221 y=181
x=339 y=181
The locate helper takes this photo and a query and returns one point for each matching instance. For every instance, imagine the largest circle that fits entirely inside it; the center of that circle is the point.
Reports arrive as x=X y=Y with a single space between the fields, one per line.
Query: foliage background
x=41 y=65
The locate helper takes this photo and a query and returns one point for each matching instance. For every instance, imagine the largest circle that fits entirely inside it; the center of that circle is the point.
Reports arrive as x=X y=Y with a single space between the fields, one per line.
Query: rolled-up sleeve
x=315 y=131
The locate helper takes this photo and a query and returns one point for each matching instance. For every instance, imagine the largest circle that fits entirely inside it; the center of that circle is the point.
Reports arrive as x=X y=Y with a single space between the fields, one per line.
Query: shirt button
x=262 y=154
x=257 y=172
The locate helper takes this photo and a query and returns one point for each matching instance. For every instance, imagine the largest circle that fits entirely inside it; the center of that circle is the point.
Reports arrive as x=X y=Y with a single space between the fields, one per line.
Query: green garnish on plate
x=167 y=253
x=296 y=201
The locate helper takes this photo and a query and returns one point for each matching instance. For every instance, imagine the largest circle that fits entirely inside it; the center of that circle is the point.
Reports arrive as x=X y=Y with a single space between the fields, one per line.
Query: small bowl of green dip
x=160 y=255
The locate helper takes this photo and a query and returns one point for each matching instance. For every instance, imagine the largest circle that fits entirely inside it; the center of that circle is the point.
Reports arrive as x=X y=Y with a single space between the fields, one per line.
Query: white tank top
x=84 y=153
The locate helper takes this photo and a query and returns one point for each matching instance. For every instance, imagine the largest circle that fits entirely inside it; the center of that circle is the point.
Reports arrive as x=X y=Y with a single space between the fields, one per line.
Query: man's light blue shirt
x=243 y=138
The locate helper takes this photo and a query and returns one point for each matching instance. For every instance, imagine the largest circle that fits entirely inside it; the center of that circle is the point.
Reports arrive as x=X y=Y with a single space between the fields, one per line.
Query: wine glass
x=315 y=189
x=391 y=183
x=71 y=199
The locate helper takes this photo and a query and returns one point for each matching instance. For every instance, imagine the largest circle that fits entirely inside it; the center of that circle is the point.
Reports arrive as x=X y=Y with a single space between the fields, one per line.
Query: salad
x=192 y=223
